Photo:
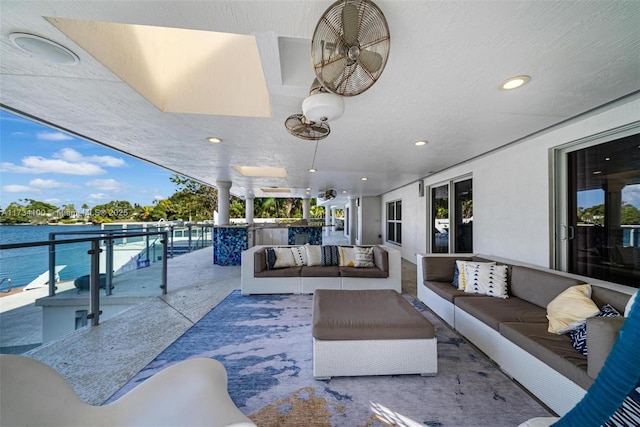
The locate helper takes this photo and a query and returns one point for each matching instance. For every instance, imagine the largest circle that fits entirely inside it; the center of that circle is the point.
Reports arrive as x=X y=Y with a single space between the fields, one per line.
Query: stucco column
x=306 y=208
x=249 y=208
x=223 y=201
x=327 y=220
x=332 y=218
x=353 y=215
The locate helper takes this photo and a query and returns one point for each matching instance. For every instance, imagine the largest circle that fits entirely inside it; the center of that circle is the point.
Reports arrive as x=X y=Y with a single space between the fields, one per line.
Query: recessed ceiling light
x=344 y=191
x=312 y=170
x=308 y=188
x=607 y=158
x=214 y=140
x=420 y=143
x=364 y=178
x=43 y=48
x=514 y=82
x=597 y=172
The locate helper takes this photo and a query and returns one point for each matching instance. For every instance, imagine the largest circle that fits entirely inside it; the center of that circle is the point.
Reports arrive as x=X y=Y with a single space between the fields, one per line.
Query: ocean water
x=25 y=264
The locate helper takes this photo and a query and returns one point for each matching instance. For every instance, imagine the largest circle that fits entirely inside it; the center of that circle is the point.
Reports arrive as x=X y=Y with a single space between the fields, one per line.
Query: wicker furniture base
x=373 y=332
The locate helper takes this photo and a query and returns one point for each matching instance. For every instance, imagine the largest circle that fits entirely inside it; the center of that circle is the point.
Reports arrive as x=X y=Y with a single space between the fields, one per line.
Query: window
x=394 y=222
x=599 y=232
x=440 y=215
x=460 y=210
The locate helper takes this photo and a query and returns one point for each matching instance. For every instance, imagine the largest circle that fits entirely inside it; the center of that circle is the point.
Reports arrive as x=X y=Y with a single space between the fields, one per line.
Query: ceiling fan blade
x=332 y=70
x=350 y=24
x=371 y=61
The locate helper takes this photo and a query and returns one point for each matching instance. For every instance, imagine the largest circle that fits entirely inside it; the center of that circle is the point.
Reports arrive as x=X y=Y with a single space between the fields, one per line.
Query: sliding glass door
x=603 y=211
x=452 y=217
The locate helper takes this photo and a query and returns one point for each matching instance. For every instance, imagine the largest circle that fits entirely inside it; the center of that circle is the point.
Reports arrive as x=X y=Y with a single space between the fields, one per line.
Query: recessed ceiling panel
x=179 y=70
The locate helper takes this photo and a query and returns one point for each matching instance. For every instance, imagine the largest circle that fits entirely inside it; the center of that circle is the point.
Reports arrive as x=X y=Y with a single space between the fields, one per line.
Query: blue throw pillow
x=330 y=255
x=271 y=258
x=578 y=336
x=456 y=273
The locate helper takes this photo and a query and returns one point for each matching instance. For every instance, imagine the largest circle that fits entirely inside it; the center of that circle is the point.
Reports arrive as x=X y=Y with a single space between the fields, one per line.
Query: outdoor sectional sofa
x=256 y=278
x=513 y=331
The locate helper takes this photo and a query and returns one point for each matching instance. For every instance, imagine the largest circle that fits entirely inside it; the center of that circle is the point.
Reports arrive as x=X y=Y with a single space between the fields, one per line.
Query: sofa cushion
x=445 y=290
x=372 y=272
x=439 y=268
x=601 y=296
x=537 y=286
x=314 y=254
x=493 y=311
x=279 y=272
x=602 y=333
x=381 y=258
x=363 y=256
x=259 y=261
x=569 y=310
x=320 y=271
x=554 y=350
x=486 y=279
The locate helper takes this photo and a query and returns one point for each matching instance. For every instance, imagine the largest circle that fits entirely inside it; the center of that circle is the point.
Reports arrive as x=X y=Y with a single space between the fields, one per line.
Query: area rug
x=265 y=344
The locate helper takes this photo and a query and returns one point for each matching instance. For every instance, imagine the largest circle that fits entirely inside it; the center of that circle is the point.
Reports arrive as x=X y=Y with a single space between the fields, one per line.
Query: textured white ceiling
x=440 y=84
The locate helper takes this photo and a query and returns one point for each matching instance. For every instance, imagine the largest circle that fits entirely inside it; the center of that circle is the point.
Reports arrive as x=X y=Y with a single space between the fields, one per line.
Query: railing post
x=189 y=243
x=108 y=269
x=164 y=262
x=94 y=284
x=171 y=241
x=52 y=265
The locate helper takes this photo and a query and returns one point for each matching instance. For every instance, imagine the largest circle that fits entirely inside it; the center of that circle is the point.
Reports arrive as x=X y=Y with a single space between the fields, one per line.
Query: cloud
x=106 y=185
x=71 y=155
x=98 y=196
x=36 y=186
x=67 y=161
x=15 y=188
x=52 y=136
x=46 y=183
x=158 y=197
x=631 y=194
x=37 y=164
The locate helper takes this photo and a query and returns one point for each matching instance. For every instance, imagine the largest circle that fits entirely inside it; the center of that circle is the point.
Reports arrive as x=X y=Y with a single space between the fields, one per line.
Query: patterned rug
x=265 y=344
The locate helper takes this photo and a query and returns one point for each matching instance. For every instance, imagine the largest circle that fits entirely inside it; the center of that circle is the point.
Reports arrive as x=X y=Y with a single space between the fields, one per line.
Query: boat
x=43 y=280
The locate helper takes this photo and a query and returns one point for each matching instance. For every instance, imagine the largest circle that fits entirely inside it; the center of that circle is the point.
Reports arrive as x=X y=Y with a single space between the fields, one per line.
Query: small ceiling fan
x=350 y=46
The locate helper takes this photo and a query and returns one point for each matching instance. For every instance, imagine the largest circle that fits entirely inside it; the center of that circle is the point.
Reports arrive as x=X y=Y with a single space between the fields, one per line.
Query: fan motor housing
x=323 y=107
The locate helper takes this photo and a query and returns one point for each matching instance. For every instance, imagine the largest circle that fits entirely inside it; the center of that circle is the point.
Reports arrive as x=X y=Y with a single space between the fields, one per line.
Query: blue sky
x=37 y=162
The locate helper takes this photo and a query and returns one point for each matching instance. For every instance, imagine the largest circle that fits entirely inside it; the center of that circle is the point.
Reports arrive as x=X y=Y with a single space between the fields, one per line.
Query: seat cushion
x=554 y=350
x=280 y=272
x=493 y=311
x=372 y=272
x=320 y=271
x=366 y=315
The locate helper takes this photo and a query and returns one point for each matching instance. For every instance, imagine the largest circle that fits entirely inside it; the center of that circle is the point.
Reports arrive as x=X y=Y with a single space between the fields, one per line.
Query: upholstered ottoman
x=370 y=332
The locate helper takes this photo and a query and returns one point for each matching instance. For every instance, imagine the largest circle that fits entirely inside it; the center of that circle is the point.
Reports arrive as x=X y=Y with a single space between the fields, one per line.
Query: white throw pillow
x=363 y=257
x=569 y=310
x=633 y=300
x=347 y=256
x=314 y=254
x=284 y=258
x=462 y=273
x=486 y=279
x=299 y=255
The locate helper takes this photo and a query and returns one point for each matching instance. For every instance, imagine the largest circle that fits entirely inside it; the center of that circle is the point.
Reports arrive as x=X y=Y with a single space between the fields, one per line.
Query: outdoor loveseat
x=337 y=270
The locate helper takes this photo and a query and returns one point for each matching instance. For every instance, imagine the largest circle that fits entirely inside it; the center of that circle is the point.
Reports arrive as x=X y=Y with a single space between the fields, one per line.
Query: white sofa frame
x=249 y=284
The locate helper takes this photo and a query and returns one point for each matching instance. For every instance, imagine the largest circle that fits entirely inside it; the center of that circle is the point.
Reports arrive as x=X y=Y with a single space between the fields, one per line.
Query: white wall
x=511 y=191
